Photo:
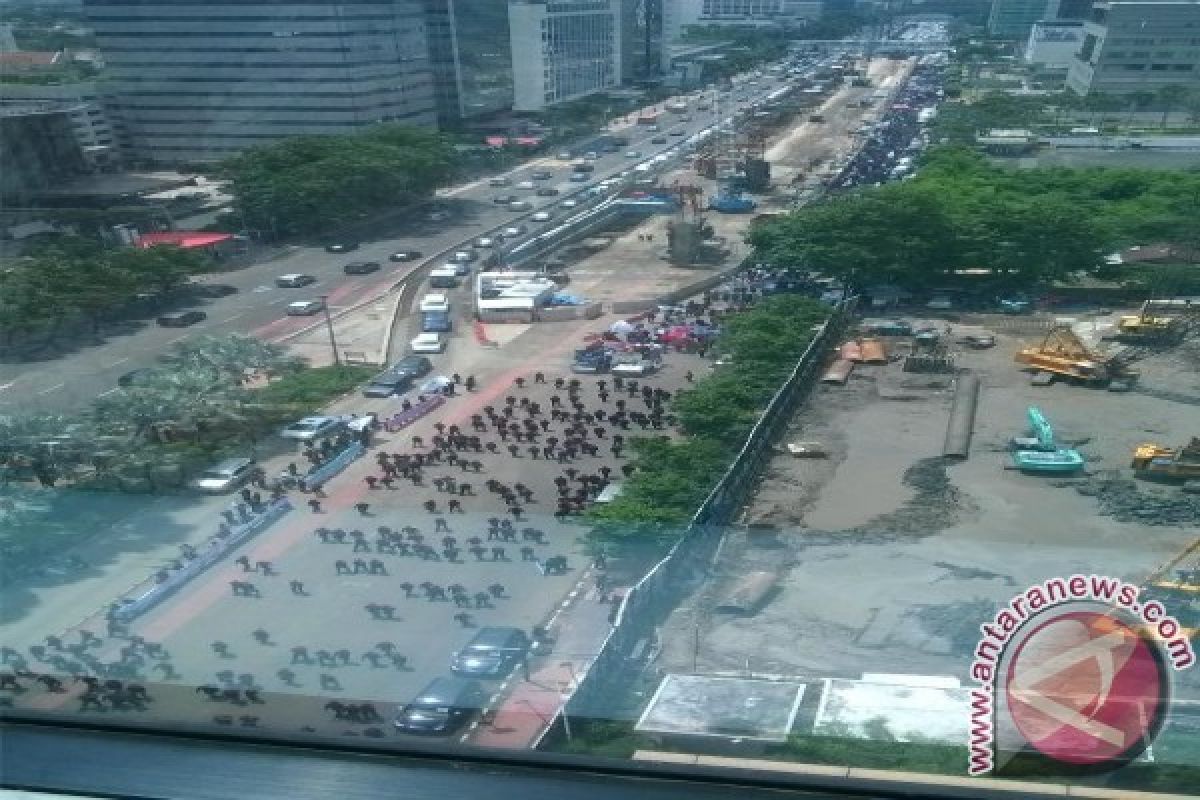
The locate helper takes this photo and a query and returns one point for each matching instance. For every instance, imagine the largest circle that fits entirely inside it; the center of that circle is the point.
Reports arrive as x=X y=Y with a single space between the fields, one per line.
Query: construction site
x=956 y=460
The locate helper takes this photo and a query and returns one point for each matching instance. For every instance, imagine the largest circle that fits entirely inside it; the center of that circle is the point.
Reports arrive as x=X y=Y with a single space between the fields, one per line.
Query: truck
x=676 y=106
x=648 y=118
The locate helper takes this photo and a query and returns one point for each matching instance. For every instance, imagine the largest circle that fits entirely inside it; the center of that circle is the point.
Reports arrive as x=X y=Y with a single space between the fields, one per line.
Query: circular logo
x=1086 y=688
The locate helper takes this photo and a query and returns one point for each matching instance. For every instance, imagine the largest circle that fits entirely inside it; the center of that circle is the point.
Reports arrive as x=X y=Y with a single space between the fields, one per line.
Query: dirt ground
x=889 y=558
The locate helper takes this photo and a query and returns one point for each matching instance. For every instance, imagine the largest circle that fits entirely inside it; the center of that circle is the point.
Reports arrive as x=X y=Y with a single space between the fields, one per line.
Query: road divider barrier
x=322 y=473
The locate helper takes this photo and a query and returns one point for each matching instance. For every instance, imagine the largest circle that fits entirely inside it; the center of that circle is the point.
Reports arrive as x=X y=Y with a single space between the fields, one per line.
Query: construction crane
x=1062 y=354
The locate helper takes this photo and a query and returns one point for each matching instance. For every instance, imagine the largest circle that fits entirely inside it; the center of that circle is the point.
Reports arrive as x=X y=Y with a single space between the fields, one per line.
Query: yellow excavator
x=1147 y=327
x=1168 y=463
x=1062 y=354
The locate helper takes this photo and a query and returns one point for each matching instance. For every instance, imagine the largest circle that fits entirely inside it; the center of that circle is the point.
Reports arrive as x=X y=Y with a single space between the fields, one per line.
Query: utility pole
x=337 y=360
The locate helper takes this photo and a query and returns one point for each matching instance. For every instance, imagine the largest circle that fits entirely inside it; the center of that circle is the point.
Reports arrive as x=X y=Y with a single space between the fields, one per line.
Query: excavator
x=1062 y=354
x=1153 y=461
x=1146 y=327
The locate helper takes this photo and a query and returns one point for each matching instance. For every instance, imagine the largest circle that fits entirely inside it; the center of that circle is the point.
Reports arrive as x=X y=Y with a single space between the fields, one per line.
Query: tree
x=313 y=183
x=1172 y=96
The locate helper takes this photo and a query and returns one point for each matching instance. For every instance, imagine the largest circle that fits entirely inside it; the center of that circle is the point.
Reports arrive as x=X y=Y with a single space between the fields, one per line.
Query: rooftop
x=703 y=705
x=902 y=708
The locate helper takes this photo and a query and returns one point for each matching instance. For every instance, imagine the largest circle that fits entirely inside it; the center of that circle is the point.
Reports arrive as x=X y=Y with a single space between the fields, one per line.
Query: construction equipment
x=1146 y=327
x=1063 y=354
x=1153 y=461
x=1040 y=452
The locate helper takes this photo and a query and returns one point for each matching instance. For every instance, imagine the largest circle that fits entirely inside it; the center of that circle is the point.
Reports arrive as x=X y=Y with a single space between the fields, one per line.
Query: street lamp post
x=337 y=360
x=566 y=718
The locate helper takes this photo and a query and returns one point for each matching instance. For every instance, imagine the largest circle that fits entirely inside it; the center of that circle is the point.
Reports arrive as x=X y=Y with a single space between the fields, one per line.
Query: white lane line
x=231 y=319
x=119 y=361
x=52 y=389
x=9 y=385
x=110 y=391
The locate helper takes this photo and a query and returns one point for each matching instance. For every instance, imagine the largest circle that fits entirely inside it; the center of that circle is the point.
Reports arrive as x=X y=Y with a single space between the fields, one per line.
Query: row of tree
x=674 y=476
x=314 y=183
x=961 y=217
x=71 y=279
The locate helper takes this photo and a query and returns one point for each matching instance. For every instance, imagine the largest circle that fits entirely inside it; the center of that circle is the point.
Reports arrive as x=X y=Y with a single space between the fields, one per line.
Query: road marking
x=231 y=319
x=179 y=338
x=8 y=385
x=110 y=391
x=52 y=389
x=119 y=361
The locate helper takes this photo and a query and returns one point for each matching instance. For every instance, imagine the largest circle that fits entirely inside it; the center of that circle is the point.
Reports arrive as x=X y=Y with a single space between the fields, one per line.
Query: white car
x=498 y=182
x=427 y=343
x=569 y=203
x=515 y=230
x=485 y=241
x=520 y=205
x=305 y=308
x=564 y=155
x=543 y=216
x=642 y=168
x=310 y=428
x=435 y=302
x=526 y=185
x=633 y=153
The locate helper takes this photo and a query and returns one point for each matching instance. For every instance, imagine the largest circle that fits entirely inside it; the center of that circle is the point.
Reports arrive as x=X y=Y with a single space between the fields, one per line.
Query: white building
x=563 y=50
x=1053 y=45
x=679 y=14
x=1138 y=46
x=194 y=81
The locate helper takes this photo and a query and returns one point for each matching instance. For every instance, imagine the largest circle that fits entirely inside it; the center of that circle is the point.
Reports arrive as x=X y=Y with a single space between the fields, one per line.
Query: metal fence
x=603 y=685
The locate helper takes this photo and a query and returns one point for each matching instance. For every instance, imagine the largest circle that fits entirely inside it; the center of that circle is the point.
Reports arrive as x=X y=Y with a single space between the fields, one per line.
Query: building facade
x=201 y=80
x=37 y=148
x=470 y=50
x=84 y=106
x=563 y=50
x=1138 y=46
x=1015 y=18
x=643 y=44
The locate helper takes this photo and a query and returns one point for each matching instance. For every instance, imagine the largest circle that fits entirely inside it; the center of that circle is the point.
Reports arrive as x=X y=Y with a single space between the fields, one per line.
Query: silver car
x=310 y=428
x=227 y=476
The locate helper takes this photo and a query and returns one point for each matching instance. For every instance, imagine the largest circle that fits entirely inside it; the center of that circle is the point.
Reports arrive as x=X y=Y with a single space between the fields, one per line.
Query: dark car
x=405 y=255
x=442 y=707
x=416 y=366
x=546 y=191
x=388 y=383
x=505 y=199
x=213 y=289
x=436 y=322
x=659 y=140
x=360 y=267
x=181 y=319
x=341 y=247
x=491 y=653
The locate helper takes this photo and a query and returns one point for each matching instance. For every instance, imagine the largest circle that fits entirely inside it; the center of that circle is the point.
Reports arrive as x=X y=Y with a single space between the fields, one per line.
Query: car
x=388 y=383
x=515 y=230
x=435 y=302
x=213 y=290
x=294 y=280
x=633 y=153
x=461 y=268
x=499 y=181
x=520 y=205
x=547 y=191
x=181 y=319
x=541 y=175
x=485 y=241
x=413 y=366
x=543 y=216
x=341 y=247
x=527 y=186
x=579 y=177
x=659 y=140
x=444 y=277
x=442 y=707
x=492 y=653
x=436 y=322
x=590 y=155
x=564 y=155
x=227 y=475
x=583 y=167
x=427 y=343
x=633 y=364
x=642 y=168
x=316 y=427
x=361 y=267
x=677 y=133
x=505 y=199
x=405 y=255
x=305 y=308
x=568 y=203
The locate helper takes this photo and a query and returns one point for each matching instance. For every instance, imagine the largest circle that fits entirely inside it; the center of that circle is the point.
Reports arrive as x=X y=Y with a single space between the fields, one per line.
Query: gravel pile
x=1126 y=501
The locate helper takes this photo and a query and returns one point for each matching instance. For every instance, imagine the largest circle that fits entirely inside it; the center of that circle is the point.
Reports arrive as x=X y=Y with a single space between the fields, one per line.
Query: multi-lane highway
x=73 y=379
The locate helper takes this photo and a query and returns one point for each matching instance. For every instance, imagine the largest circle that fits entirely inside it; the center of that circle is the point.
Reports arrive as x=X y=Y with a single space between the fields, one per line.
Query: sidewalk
x=578 y=629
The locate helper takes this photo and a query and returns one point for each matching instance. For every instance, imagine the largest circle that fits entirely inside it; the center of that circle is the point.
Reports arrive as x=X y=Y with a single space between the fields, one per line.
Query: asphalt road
x=71 y=380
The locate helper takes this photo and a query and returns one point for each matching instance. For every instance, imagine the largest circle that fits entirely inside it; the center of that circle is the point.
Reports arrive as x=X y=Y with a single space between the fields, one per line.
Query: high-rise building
x=563 y=49
x=471 y=54
x=83 y=105
x=200 y=80
x=37 y=148
x=759 y=11
x=1138 y=46
x=678 y=15
x=1074 y=9
x=643 y=54
x=1015 y=18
